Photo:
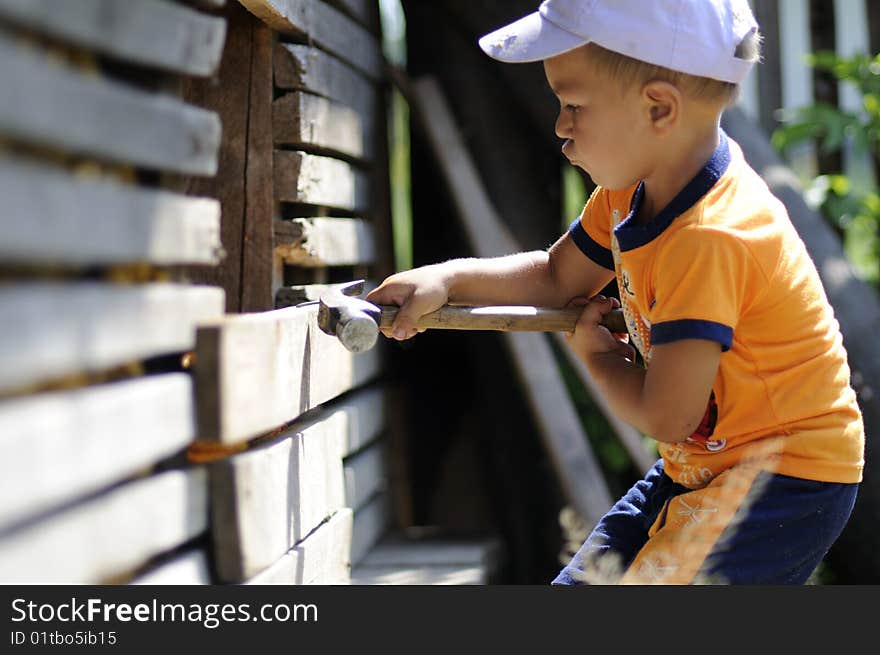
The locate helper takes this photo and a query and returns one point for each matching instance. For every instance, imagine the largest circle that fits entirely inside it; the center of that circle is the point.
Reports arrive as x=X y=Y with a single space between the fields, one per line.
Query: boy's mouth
x=567 y=148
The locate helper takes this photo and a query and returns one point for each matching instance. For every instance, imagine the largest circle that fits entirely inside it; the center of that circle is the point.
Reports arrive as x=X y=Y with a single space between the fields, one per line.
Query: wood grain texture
x=325 y=26
x=365 y=475
x=272 y=496
x=307 y=68
x=152 y=33
x=308 y=121
x=51 y=217
x=53 y=329
x=255 y=372
x=371 y=523
x=318 y=242
x=322 y=558
x=110 y=535
x=316 y=180
x=60 y=446
x=52 y=105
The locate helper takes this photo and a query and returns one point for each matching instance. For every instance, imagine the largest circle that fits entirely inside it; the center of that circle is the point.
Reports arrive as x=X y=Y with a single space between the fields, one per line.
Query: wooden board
x=272 y=496
x=294 y=295
x=60 y=446
x=371 y=522
x=318 y=242
x=315 y=180
x=255 y=372
x=579 y=473
x=425 y=574
x=52 y=329
x=308 y=121
x=257 y=288
x=365 y=475
x=153 y=33
x=110 y=535
x=54 y=218
x=323 y=557
x=49 y=104
x=190 y=568
x=309 y=69
x=324 y=26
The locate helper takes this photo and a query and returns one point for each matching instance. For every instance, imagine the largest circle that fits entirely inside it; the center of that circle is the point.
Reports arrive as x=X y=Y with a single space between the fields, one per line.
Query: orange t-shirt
x=723 y=262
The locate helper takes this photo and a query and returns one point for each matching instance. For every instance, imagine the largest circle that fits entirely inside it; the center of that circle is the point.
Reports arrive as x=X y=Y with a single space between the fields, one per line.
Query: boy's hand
x=590 y=337
x=417 y=292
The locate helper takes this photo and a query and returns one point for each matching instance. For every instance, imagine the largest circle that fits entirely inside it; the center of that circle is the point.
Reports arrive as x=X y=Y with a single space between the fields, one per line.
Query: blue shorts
x=747 y=526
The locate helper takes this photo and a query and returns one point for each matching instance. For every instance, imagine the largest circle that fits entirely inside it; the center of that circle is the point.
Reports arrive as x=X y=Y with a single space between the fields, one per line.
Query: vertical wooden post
x=797 y=77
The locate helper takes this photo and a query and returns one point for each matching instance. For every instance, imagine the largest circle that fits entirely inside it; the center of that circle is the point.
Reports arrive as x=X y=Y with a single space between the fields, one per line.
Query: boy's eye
x=571 y=108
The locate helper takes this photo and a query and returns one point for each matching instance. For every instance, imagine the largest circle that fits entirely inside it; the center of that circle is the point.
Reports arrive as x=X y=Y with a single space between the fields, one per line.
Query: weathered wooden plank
x=370 y=524
x=60 y=446
x=309 y=69
x=315 y=180
x=365 y=475
x=325 y=26
x=567 y=444
x=255 y=372
x=268 y=498
x=423 y=574
x=50 y=104
x=318 y=242
x=257 y=286
x=54 y=218
x=357 y=9
x=190 y=568
x=309 y=121
x=149 y=32
x=323 y=557
x=52 y=329
x=110 y=535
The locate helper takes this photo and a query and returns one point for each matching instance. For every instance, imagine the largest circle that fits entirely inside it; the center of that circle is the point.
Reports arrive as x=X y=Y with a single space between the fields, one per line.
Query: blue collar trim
x=630 y=235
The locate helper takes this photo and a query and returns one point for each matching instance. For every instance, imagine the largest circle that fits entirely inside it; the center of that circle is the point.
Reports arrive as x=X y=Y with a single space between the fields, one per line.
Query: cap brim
x=529 y=39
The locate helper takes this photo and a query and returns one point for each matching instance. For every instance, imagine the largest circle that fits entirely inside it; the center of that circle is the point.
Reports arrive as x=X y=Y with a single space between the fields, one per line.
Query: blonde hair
x=628 y=71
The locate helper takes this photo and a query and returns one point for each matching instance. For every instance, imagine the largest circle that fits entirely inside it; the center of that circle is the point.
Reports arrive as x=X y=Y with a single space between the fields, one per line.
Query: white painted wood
x=255 y=372
x=365 y=475
x=50 y=217
x=310 y=69
x=324 y=26
x=319 y=242
x=797 y=75
x=579 y=473
x=60 y=446
x=851 y=38
x=110 y=535
x=52 y=329
x=371 y=523
x=323 y=557
x=272 y=496
x=52 y=105
x=148 y=32
x=307 y=121
x=317 y=180
x=190 y=568
x=396 y=550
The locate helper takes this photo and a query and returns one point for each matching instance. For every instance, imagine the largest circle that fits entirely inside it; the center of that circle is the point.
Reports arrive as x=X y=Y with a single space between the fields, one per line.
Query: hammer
x=357 y=322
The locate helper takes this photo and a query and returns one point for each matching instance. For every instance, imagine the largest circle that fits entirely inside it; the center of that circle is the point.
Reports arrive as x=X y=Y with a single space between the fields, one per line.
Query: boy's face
x=600 y=122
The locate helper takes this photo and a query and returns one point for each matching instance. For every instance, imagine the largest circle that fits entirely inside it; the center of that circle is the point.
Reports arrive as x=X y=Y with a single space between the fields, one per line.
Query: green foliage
x=852 y=208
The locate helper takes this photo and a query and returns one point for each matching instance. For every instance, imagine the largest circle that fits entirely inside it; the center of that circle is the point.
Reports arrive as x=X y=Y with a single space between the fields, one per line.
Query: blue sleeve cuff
x=692 y=329
x=590 y=248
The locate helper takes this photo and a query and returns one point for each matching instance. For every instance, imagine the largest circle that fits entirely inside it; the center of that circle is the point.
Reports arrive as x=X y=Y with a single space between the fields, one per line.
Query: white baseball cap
x=699 y=37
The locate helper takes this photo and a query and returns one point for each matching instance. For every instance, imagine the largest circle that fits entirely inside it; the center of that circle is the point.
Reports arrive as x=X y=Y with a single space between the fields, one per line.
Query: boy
x=746 y=382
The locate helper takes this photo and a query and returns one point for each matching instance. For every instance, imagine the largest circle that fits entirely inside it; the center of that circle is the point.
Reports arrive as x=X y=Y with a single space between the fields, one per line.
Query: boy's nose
x=563 y=125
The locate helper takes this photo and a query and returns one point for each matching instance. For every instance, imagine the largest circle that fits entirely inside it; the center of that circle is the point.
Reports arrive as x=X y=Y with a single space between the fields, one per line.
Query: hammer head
x=353 y=320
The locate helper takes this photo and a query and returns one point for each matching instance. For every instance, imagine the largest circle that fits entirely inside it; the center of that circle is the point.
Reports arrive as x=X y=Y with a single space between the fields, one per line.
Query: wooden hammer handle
x=504 y=318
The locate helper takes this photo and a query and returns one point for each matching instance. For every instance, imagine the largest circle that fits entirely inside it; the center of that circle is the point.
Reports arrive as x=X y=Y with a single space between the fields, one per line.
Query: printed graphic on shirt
x=639 y=330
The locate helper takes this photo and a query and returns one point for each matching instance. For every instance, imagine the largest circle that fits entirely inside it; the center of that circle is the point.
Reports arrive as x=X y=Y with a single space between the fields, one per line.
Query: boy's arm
x=668 y=400
x=541 y=278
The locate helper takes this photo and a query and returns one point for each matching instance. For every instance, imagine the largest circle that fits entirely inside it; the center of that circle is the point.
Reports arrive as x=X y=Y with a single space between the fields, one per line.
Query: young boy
x=746 y=386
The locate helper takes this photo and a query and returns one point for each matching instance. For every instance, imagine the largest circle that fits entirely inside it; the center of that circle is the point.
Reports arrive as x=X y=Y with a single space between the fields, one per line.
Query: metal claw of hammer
x=356 y=322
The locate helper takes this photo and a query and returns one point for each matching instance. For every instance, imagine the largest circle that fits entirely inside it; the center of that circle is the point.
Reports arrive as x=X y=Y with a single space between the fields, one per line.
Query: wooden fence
x=176 y=179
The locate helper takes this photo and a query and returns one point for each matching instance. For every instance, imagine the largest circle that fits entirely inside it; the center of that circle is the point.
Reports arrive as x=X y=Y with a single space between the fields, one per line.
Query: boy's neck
x=679 y=165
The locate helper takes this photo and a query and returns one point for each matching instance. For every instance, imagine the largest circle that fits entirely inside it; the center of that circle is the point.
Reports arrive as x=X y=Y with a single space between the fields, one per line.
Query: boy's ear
x=663 y=101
